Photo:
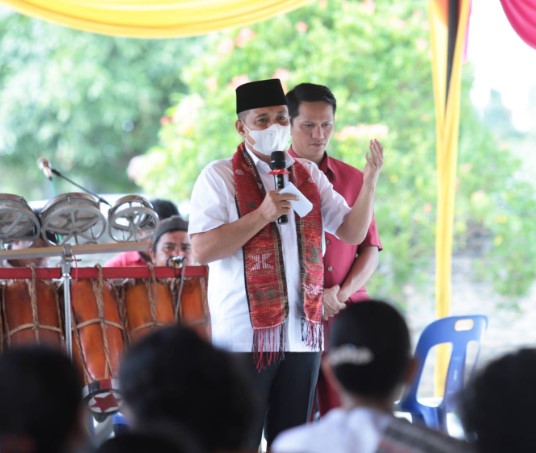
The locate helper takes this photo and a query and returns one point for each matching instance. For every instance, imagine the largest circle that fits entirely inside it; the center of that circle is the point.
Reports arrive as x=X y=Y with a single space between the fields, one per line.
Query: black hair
x=496 y=407
x=40 y=394
x=173 y=374
x=169 y=225
x=50 y=238
x=149 y=439
x=164 y=208
x=308 y=92
x=370 y=348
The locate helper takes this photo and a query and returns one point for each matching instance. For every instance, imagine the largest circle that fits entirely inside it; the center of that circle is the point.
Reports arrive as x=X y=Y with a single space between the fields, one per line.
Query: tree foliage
x=87 y=102
x=375 y=57
x=93 y=103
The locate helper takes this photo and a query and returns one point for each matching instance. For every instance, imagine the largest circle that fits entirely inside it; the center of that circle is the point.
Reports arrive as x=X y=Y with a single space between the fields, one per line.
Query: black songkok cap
x=173 y=223
x=262 y=93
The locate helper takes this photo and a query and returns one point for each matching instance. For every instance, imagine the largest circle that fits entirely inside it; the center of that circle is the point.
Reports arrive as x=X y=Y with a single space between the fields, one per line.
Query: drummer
x=171 y=240
x=165 y=209
x=21 y=262
x=39 y=242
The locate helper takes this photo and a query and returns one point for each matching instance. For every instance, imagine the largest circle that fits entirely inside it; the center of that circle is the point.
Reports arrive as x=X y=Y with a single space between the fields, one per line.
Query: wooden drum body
x=102 y=317
x=31 y=313
x=148 y=305
x=192 y=305
x=98 y=342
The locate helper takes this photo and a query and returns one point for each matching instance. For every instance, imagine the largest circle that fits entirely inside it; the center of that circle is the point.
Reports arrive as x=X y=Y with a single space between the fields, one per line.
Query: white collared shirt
x=340 y=430
x=213 y=204
x=365 y=430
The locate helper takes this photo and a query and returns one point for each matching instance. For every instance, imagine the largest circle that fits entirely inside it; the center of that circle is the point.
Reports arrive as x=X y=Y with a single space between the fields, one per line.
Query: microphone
x=44 y=164
x=175 y=261
x=278 y=165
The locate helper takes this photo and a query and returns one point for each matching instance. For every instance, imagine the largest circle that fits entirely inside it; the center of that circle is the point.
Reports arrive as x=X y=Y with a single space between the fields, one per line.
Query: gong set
x=92 y=312
x=75 y=218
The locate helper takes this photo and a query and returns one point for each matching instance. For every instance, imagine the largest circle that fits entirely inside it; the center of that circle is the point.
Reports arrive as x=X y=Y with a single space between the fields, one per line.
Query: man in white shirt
x=266 y=277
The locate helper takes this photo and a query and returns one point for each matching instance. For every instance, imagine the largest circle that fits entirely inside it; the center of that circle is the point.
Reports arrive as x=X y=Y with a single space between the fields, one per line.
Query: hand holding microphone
x=278 y=165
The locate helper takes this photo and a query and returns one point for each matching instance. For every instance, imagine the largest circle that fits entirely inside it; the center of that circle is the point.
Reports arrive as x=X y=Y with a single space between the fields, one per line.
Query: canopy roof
x=153 y=18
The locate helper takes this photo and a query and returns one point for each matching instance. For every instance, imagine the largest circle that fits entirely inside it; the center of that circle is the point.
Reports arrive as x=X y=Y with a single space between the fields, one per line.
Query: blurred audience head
x=156 y=437
x=174 y=375
x=497 y=405
x=370 y=351
x=41 y=409
x=170 y=239
x=164 y=208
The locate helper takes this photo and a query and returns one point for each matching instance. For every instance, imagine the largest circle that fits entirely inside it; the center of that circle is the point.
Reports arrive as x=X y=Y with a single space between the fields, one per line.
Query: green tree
x=88 y=102
x=375 y=57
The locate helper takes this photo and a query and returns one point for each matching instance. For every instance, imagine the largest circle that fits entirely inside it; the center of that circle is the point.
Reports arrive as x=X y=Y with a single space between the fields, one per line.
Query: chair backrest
x=458 y=331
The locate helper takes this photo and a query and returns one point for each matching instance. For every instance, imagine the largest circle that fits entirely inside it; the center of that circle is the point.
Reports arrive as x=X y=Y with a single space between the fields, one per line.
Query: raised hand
x=374 y=162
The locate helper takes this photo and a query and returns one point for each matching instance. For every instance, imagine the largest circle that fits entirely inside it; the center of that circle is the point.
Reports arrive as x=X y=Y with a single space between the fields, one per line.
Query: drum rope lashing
x=98 y=290
x=179 y=295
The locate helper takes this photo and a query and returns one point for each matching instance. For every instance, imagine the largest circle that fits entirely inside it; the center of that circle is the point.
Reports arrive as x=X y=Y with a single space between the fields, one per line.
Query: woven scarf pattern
x=264 y=270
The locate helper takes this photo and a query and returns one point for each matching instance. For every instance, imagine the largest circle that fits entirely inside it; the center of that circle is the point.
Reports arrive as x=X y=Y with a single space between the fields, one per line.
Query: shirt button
x=327 y=241
x=330 y=268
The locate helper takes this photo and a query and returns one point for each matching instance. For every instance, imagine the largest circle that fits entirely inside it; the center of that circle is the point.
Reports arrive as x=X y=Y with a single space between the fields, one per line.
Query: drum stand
x=66 y=279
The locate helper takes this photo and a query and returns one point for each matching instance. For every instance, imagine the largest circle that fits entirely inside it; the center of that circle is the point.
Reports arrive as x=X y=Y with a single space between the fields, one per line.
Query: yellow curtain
x=447 y=127
x=153 y=18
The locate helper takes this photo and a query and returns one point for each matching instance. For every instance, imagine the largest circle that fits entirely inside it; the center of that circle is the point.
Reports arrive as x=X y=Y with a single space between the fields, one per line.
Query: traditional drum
x=192 y=305
x=148 y=305
x=98 y=342
x=100 y=321
x=31 y=313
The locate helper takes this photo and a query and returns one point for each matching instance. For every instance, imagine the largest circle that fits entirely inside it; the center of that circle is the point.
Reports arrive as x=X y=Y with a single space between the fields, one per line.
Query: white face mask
x=273 y=138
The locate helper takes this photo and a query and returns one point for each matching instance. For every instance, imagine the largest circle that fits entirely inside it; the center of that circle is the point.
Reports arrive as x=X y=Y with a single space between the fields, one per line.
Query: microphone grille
x=43 y=162
x=277 y=160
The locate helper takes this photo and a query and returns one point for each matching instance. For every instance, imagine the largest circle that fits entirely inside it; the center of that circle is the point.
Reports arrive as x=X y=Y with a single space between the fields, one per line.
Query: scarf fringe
x=312 y=334
x=268 y=346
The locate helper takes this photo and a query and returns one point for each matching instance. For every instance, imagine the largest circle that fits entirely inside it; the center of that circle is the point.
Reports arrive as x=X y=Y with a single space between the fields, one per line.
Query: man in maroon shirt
x=346 y=267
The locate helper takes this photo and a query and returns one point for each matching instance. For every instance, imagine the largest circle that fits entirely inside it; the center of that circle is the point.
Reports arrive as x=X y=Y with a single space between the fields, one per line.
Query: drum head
x=132 y=218
x=17 y=220
x=73 y=218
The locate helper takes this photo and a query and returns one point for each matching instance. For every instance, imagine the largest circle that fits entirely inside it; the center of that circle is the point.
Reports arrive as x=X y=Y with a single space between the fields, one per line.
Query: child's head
x=370 y=349
x=497 y=405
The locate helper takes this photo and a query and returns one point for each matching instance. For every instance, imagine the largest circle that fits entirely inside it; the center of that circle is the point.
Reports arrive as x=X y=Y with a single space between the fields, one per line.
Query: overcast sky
x=503 y=61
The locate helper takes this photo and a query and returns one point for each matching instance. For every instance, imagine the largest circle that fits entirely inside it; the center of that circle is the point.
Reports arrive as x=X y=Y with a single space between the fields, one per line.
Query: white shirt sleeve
x=212 y=202
x=332 y=204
